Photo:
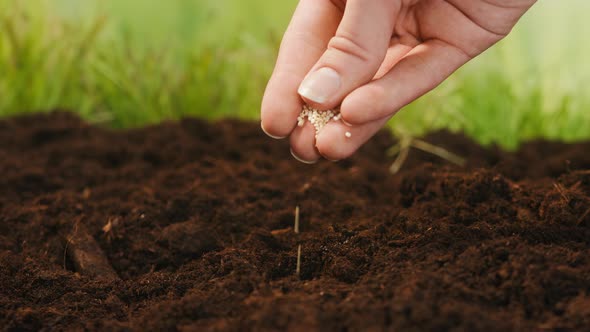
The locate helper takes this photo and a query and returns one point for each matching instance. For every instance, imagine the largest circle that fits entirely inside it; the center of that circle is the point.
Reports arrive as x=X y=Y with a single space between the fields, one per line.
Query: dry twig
x=402 y=150
x=561 y=190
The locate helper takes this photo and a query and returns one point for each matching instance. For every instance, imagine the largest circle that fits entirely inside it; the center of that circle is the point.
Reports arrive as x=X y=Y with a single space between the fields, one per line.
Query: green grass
x=133 y=62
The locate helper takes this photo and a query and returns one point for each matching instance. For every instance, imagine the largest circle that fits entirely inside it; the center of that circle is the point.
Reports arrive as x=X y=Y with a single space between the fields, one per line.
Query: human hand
x=372 y=57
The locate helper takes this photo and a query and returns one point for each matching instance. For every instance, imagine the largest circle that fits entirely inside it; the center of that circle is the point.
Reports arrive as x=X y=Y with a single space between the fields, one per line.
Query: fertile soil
x=189 y=226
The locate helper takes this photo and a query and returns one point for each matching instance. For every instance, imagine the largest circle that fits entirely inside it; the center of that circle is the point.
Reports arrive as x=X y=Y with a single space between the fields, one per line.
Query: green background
x=131 y=62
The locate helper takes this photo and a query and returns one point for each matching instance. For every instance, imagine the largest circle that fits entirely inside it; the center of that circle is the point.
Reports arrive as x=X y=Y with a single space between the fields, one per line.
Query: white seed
x=348 y=134
x=316 y=117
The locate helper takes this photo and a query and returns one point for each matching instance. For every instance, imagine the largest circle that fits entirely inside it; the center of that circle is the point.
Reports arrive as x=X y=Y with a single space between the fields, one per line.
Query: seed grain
x=316 y=117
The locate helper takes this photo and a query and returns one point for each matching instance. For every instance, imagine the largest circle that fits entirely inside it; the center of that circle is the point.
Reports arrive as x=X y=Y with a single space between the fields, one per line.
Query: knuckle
x=350 y=46
x=340 y=4
x=366 y=104
x=375 y=96
x=353 y=113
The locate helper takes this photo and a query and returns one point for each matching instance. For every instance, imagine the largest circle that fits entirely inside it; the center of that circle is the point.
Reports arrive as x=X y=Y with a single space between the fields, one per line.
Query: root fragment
x=402 y=150
x=400 y=160
x=438 y=151
x=565 y=198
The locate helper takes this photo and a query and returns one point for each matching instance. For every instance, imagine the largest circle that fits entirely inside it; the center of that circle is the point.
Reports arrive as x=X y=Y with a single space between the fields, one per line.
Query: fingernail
x=269 y=135
x=309 y=162
x=320 y=85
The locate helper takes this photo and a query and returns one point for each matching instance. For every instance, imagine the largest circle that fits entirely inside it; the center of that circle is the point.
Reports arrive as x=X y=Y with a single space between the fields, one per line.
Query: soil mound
x=189 y=226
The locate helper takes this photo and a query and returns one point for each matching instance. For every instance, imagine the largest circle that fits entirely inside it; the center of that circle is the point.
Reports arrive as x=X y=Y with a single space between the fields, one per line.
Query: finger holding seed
x=313 y=24
x=317 y=118
x=373 y=58
x=302 y=142
x=310 y=123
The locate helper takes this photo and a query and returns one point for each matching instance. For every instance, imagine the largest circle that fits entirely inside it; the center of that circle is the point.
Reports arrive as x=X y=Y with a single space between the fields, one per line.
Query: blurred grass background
x=132 y=62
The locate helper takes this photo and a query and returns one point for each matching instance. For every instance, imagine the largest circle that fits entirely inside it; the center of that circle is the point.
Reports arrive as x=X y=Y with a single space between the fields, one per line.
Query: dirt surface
x=189 y=226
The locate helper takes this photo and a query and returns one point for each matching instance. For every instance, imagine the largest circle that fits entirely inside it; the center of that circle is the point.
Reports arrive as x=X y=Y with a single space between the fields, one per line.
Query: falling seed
x=296 y=220
x=348 y=134
x=298 y=269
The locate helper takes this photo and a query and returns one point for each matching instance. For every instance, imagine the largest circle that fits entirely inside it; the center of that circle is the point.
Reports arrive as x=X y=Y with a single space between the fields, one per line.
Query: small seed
x=348 y=134
x=296 y=228
x=298 y=267
x=316 y=117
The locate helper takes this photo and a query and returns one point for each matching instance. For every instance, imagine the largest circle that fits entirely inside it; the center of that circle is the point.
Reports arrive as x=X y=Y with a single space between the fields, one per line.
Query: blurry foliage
x=132 y=62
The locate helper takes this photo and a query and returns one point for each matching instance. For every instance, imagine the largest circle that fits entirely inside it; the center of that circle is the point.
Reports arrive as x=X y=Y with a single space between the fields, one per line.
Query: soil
x=189 y=226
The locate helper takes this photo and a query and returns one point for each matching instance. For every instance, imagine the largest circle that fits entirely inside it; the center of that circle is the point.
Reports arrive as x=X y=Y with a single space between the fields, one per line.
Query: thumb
x=353 y=55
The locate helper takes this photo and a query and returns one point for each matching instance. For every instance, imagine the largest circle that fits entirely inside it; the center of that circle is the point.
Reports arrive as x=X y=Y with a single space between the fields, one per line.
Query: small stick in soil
x=402 y=150
x=438 y=151
x=298 y=268
x=561 y=191
x=87 y=256
x=296 y=227
x=400 y=160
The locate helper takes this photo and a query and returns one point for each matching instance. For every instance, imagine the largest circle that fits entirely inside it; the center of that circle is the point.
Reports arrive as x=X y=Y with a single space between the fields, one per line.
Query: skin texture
x=386 y=54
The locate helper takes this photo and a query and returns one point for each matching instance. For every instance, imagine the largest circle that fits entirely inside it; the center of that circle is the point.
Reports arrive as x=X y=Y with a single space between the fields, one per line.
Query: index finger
x=313 y=24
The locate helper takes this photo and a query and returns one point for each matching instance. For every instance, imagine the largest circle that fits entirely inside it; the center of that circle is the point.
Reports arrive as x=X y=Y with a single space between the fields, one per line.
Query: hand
x=372 y=57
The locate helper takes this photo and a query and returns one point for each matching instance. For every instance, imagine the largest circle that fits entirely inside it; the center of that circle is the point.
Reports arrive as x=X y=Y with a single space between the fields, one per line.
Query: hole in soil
x=68 y=264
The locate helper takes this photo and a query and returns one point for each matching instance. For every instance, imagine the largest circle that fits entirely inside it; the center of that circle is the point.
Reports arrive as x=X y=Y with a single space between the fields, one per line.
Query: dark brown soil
x=188 y=226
